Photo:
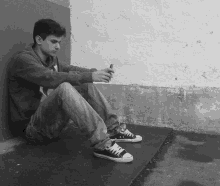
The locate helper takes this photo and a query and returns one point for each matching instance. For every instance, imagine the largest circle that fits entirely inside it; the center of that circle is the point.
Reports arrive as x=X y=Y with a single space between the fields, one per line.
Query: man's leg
x=66 y=103
x=99 y=103
x=63 y=104
x=96 y=99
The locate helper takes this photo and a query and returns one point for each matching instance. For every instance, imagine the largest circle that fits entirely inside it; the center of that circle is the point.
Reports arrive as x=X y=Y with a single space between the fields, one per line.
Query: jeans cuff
x=101 y=145
x=116 y=129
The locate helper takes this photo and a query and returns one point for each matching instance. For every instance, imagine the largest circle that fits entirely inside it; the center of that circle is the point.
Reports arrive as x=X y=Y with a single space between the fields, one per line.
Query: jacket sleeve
x=28 y=68
x=68 y=68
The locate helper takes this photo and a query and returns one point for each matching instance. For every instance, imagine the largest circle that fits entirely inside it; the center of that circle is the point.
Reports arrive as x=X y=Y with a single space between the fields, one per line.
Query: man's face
x=51 y=45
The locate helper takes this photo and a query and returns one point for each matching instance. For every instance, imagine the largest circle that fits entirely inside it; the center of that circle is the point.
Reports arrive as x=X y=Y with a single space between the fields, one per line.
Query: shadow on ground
x=199 y=147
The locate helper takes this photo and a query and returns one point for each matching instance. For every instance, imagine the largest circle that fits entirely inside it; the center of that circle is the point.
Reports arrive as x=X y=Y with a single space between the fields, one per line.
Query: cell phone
x=111 y=66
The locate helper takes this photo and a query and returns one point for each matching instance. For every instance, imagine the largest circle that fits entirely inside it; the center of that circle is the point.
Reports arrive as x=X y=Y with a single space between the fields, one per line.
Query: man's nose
x=57 y=46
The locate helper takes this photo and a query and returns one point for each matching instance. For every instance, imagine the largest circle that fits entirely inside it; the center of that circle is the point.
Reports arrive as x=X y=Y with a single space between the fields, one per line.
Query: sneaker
x=126 y=136
x=114 y=153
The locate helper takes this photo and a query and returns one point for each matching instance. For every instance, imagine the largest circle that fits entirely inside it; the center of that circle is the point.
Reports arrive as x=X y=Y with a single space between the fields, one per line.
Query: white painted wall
x=150 y=42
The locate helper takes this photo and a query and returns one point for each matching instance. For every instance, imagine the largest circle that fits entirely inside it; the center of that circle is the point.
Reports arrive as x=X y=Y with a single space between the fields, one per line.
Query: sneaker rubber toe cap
x=127 y=156
x=138 y=138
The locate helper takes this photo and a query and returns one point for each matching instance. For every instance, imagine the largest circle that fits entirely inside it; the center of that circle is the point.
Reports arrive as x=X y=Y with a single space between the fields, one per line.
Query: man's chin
x=53 y=54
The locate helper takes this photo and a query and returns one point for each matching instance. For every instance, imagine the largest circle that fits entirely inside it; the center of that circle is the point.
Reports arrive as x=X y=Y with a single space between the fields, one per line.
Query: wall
x=194 y=109
x=153 y=42
x=17 y=19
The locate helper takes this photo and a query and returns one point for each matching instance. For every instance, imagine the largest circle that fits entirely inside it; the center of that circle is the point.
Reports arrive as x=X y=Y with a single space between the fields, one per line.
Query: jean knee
x=66 y=89
x=64 y=86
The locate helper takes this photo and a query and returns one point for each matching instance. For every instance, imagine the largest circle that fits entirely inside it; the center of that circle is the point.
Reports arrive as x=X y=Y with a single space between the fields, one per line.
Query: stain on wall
x=17 y=20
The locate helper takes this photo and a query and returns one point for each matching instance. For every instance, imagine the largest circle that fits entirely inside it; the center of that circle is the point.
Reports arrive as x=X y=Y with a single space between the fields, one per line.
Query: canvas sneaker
x=126 y=136
x=115 y=153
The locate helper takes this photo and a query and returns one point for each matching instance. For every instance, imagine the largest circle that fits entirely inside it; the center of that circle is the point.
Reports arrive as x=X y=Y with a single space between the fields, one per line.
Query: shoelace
x=116 y=149
x=128 y=133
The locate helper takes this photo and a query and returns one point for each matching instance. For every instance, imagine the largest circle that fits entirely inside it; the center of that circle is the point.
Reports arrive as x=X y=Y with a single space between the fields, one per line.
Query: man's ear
x=38 y=40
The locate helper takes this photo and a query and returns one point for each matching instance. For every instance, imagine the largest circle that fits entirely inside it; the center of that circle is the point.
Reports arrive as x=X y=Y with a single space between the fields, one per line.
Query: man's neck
x=42 y=56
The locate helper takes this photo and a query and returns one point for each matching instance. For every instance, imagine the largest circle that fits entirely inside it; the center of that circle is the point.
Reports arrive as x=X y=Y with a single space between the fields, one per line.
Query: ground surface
x=186 y=159
x=68 y=161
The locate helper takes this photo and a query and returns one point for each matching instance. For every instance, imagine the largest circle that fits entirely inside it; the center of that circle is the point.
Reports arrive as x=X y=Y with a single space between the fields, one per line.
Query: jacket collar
x=50 y=62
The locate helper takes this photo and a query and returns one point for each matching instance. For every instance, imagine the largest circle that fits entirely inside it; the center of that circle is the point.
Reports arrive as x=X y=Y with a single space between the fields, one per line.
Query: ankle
x=103 y=144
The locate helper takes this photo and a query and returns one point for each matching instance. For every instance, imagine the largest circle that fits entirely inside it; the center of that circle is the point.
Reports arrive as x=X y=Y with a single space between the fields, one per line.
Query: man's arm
x=28 y=68
x=68 y=68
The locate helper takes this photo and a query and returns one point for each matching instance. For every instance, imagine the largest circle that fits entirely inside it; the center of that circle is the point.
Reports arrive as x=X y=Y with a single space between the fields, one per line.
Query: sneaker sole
x=119 y=160
x=127 y=140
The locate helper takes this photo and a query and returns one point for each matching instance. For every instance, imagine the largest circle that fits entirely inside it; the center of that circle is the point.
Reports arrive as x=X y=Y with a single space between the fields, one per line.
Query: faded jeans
x=84 y=105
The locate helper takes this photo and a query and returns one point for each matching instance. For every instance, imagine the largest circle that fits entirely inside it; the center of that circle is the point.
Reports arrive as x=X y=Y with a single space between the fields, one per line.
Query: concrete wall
x=152 y=43
x=193 y=109
x=17 y=18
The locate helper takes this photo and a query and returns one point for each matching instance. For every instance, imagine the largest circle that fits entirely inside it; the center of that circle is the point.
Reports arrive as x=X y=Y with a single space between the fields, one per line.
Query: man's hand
x=102 y=76
x=109 y=70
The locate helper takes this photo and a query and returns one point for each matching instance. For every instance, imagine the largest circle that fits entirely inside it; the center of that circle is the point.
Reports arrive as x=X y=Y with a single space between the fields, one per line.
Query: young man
x=36 y=70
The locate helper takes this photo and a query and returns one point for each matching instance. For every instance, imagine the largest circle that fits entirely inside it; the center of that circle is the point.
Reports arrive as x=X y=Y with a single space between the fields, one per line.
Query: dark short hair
x=47 y=27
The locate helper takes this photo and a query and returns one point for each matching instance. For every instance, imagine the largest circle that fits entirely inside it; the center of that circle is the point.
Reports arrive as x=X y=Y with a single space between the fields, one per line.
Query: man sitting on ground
x=37 y=69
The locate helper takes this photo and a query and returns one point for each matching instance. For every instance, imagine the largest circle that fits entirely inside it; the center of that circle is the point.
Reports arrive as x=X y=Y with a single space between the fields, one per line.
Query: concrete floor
x=186 y=159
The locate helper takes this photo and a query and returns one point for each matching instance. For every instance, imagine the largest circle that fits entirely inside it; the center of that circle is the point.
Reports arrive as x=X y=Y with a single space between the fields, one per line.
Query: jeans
x=84 y=105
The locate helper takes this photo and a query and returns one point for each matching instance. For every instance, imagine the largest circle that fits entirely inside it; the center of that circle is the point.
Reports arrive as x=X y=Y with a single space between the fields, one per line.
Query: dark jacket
x=27 y=73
